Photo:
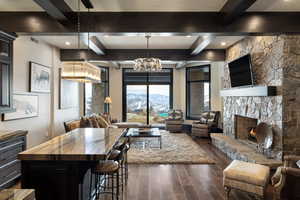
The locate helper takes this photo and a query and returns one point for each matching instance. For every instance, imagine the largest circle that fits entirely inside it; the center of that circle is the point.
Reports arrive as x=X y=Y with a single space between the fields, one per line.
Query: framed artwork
x=25 y=106
x=39 y=78
x=68 y=93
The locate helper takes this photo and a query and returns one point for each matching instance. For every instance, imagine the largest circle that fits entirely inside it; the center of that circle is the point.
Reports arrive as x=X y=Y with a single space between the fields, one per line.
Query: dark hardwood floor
x=182 y=182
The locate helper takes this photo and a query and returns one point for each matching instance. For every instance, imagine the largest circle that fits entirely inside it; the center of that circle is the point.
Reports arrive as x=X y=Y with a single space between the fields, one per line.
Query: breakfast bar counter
x=60 y=168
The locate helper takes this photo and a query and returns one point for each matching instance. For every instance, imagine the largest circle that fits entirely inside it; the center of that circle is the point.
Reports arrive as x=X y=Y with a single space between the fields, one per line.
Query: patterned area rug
x=176 y=149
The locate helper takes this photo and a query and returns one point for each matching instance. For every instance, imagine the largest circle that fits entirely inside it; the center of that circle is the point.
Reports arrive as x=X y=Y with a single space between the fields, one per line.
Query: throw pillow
x=85 y=123
x=102 y=122
x=106 y=117
x=94 y=122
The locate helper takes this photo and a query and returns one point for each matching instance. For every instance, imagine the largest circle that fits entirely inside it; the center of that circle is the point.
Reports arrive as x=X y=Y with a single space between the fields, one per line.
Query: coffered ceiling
x=139 y=42
x=156 y=5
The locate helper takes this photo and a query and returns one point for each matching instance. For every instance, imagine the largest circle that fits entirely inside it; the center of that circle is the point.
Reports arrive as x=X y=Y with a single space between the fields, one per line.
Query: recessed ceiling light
x=223 y=43
x=67 y=43
x=286 y=0
x=188 y=36
x=106 y=36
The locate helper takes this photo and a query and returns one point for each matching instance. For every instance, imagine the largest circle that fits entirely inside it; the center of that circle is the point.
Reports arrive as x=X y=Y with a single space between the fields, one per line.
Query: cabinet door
x=5 y=78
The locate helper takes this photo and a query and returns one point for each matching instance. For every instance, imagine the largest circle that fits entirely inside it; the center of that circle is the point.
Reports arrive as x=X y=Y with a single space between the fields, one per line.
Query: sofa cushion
x=85 y=123
x=71 y=125
x=106 y=117
x=102 y=122
x=251 y=173
x=94 y=122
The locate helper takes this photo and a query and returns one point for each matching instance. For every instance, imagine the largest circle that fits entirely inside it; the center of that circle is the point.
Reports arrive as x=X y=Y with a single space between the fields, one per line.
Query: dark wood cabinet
x=11 y=144
x=6 y=71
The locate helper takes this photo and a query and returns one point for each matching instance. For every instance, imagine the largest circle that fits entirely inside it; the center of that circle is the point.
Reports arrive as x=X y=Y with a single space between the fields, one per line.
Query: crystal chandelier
x=147 y=64
x=81 y=71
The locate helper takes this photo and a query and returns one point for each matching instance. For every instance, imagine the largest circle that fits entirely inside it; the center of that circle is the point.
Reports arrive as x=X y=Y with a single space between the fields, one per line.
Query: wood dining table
x=60 y=168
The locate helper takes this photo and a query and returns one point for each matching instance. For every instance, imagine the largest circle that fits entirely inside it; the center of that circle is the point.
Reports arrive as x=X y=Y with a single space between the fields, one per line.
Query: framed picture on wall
x=68 y=93
x=25 y=106
x=39 y=80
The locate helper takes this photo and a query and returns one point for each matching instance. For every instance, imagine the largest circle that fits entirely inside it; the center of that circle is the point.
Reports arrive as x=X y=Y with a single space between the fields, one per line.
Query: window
x=197 y=91
x=95 y=93
x=147 y=96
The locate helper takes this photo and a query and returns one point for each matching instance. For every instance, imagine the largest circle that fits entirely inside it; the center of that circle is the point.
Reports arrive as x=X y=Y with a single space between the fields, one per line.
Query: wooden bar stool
x=109 y=170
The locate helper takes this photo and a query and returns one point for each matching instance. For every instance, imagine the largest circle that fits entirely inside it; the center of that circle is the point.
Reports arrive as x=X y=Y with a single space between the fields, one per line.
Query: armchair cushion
x=203 y=126
x=175 y=115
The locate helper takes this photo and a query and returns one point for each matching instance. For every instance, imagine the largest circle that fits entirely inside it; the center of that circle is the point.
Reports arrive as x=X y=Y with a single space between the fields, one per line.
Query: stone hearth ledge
x=238 y=151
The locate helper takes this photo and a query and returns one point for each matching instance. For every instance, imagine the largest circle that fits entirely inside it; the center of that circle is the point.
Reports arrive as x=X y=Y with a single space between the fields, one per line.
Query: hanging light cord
x=78 y=23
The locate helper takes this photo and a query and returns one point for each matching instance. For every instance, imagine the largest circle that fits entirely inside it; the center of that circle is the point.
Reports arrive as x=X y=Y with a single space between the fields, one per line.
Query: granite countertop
x=6 y=134
x=17 y=194
x=82 y=144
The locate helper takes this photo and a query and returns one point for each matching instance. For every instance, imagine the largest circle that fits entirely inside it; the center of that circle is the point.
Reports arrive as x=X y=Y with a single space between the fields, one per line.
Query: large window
x=147 y=97
x=197 y=91
x=95 y=93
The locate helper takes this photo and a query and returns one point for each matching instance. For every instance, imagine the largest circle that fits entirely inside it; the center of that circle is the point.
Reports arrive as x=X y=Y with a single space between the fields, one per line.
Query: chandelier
x=81 y=71
x=147 y=64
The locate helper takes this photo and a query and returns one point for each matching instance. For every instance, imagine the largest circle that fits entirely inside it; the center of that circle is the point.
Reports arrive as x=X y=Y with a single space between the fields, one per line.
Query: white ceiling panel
x=140 y=42
x=223 y=42
x=19 y=5
x=153 y=5
x=276 y=5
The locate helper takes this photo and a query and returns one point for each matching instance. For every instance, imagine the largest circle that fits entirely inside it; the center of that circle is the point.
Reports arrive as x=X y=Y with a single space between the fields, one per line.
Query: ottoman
x=247 y=177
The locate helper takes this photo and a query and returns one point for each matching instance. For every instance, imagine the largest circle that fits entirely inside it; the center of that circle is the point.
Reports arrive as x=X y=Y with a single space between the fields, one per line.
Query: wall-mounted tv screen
x=241 y=72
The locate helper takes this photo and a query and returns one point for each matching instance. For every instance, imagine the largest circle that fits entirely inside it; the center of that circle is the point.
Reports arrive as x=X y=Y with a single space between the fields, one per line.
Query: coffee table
x=145 y=132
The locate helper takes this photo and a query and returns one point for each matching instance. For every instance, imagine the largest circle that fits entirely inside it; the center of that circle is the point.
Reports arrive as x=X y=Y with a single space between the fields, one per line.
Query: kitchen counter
x=7 y=134
x=78 y=145
x=17 y=194
x=60 y=168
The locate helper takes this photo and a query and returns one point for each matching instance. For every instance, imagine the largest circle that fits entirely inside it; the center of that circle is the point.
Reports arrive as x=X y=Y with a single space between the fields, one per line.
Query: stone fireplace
x=275 y=62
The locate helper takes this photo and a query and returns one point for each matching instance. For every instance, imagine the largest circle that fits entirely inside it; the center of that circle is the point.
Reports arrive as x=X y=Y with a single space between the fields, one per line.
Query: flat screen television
x=240 y=72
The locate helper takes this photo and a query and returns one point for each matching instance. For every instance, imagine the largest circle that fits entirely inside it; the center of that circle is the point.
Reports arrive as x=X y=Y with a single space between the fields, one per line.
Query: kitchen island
x=60 y=168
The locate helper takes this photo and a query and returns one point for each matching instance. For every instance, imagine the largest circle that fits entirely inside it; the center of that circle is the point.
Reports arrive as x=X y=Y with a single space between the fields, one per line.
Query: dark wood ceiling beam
x=87 y=3
x=235 y=8
x=131 y=54
x=95 y=44
x=57 y=9
x=201 y=43
x=250 y=23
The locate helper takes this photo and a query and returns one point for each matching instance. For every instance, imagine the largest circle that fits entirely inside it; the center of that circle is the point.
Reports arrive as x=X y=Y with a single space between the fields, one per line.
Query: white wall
x=50 y=119
x=115 y=92
x=115 y=86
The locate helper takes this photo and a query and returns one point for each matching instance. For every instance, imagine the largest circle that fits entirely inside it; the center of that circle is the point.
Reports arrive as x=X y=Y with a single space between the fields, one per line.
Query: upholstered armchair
x=282 y=176
x=207 y=122
x=174 y=121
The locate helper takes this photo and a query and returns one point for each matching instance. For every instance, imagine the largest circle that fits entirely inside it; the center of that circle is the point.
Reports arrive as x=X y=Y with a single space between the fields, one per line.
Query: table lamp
x=107 y=102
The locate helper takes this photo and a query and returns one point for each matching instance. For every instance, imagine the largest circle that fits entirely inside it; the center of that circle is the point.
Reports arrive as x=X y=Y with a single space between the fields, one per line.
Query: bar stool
x=124 y=146
x=108 y=169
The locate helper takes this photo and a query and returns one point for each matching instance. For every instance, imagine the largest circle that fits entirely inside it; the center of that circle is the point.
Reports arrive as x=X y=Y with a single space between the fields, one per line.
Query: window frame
x=147 y=83
x=187 y=89
x=106 y=82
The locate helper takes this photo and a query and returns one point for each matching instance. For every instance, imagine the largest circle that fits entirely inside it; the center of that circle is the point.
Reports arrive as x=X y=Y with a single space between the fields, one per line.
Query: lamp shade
x=108 y=100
